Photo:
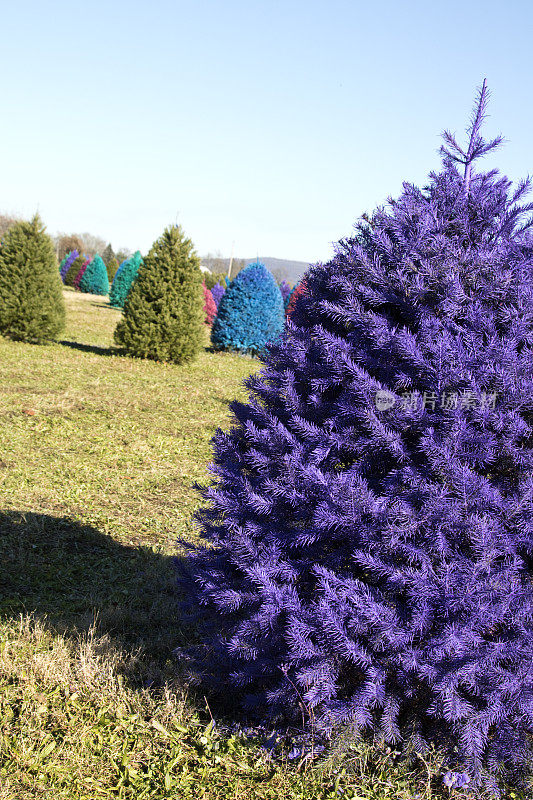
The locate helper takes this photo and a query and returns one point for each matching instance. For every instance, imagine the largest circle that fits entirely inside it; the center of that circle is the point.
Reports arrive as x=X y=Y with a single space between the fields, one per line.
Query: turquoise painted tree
x=123 y=280
x=94 y=280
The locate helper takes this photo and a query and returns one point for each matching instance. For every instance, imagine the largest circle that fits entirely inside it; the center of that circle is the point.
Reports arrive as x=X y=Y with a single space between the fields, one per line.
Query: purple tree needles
x=370 y=524
x=218 y=292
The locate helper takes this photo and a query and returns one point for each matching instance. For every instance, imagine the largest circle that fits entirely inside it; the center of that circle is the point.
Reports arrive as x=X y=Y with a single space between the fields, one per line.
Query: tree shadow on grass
x=106 y=305
x=74 y=578
x=93 y=348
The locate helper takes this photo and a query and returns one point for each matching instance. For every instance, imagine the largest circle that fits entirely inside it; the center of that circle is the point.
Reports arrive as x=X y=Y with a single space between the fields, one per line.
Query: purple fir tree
x=285 y=290
x=370 y=526
x=67 y=263
x=218 y=291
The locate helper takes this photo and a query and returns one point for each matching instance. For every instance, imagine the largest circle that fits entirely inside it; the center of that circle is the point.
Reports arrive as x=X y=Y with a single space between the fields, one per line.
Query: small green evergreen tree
x=212 y=278
x=112 y=267
x=107 y=255
x=31 y=301
x=163 y=314
x=73 y=270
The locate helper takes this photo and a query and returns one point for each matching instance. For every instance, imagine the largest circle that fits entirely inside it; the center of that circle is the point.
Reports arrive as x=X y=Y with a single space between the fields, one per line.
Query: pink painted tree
x=210 y=307
x=81 y=272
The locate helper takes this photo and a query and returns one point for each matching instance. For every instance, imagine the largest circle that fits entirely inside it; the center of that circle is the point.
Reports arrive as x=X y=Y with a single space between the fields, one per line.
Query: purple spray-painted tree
x=285 y=290
x=371 y=522
x=218 y=291
x=68 y=262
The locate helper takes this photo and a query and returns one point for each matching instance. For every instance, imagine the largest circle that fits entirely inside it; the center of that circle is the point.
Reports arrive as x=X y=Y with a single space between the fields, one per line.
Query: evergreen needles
x=31 y=302
x=250 y=312
x=370 y=525
x=163 y=314
x=94 y=279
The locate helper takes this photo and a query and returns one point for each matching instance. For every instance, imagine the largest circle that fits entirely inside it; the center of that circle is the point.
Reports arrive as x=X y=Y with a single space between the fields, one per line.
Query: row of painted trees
x=164 y=299
x=244 y=318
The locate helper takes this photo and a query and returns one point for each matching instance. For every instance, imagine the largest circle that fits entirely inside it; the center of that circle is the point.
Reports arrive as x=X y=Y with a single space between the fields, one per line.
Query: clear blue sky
x=270 y=124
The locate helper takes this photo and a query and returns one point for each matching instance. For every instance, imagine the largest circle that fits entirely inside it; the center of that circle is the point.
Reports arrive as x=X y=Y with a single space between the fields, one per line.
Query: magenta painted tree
x=81 y=272
x=210 y=308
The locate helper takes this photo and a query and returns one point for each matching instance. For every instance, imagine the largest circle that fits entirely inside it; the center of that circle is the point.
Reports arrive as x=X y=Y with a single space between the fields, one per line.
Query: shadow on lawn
x=105 y=304
x=69 y=574
x=93 y=348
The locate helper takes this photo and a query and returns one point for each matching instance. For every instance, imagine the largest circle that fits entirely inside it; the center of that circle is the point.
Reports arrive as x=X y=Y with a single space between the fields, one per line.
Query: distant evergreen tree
x=31 y=300
x=121 y=265
x=112 y=269
x=123 y=280
x=250 y=313
x=107 y=255
x=74 y=270
x=123 y=255
x=94 y=280
x=67 y=262
x=212 y=278
x=285 y=290
x=163 y=314
x=63 y=262
x=298 y=291
x=217 y=292
x=210 y=308
x=81 y=272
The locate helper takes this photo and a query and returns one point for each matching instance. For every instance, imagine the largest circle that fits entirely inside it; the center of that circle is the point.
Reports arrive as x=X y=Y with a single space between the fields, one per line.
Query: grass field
x=98 y=455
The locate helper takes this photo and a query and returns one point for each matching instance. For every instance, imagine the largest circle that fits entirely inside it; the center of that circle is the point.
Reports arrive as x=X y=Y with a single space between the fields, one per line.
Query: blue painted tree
x=123 y=280
x=250 y=313
x=370 y=525
x=94 y=279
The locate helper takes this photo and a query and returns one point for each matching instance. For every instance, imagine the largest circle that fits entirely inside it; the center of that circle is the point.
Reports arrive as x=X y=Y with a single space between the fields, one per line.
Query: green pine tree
x=163 y=314
x=212 y=278
x=112 y=266
x=31 y=301
x=75 y=267
x=107 y=255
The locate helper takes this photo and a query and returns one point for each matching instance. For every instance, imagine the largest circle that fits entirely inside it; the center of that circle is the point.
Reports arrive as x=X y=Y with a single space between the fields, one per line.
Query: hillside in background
x=282 y=269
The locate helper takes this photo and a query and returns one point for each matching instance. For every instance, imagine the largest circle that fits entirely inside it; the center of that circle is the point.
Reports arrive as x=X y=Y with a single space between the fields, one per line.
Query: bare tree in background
x=122 y=254
x=219 y=265
x=66 y=243
x=280 y=274
x=92 y=245
x=86 y=243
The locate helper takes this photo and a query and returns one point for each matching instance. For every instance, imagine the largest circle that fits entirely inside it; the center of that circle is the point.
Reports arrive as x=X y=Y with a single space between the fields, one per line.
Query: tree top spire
x=477 y=146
